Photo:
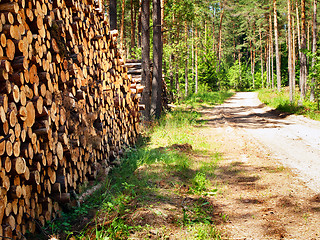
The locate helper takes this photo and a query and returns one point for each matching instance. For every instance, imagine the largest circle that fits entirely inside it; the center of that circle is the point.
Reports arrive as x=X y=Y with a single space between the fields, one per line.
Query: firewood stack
x=135 y=70
x=67 y=106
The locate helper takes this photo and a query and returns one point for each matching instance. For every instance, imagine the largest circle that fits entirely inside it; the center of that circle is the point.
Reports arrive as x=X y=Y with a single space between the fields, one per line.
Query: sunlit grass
x=207 y=98
x=280 y=101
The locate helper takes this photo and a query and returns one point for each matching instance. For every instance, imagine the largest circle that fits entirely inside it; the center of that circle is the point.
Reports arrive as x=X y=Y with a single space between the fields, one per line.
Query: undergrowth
x=207 y=98
x=280 y=101
x=168 y=163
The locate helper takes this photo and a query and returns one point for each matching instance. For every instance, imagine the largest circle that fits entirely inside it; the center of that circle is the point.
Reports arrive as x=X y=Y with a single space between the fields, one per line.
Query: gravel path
x=293 y=140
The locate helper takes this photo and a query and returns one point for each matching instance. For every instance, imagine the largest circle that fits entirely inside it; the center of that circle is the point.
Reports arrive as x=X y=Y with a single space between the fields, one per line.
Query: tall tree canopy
x=242 y=44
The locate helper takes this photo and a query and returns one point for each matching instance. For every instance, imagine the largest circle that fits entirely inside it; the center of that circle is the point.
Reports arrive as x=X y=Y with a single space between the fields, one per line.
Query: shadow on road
x=244 y=116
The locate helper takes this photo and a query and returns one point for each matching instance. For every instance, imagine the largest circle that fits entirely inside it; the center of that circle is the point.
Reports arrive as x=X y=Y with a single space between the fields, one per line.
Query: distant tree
x=303 y=60
x=276 y=38
x=314 y=48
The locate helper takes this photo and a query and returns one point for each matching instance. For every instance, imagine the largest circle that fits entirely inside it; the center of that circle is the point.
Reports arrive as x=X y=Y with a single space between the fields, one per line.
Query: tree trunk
x=239 y=62
x=122 y=25
x=314 y=49
x=293 y=49
x=196 y=63
x=186 y=60
x=139 y=35
x=205 y=35
x=145 y=54
x=308 y=36
x=277 y=45
x=252 y=66
x=192 y=52
x=271 y=51
x=213 y=35
x=113 y=14
x=220 y=38
x=291 y=85
x=132 y=26
x=303 y=60
x=156 y=99
x=177 y=79
x=268 y=63
x=299 y=37
x=171 y=63
x=261 y=58
x=177 y=82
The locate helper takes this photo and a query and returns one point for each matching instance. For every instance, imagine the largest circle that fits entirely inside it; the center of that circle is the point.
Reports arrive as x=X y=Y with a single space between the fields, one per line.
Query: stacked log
x=135 y=69
x=67 y=106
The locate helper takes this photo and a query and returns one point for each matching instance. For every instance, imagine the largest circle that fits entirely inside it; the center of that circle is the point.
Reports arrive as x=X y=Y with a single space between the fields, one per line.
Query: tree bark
x=156 y=99
x=139 y=35
x=186 y=60
x=113 y=14
x=268 y=51
x=196 y=63
x=291 y=82
x=122 y=24
x=251 y=60
x=278 y=63
x=303 y=60
x=145 y=64
x=220 y=38
x=293 y=49
x=261 y=57
x=213 y=35
x=132 y=26
x=171 y=64
x=192 y=51
x=271 y=51
x=314 y=49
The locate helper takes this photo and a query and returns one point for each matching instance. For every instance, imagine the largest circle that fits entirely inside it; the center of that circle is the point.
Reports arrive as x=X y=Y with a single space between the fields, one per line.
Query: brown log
x=12 y=7
x=30 y=118
x=19 y=165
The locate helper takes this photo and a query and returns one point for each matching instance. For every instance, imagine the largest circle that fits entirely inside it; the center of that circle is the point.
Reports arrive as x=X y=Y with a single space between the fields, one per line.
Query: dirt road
x=270 y=172
x=293 y=140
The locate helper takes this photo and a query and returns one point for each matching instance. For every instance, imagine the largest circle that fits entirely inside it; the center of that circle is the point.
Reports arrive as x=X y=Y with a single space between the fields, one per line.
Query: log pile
x=67 y=106
x=135 y=70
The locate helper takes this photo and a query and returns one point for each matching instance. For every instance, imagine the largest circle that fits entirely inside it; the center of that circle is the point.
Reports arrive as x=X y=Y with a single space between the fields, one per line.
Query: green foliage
x=314 y=74
x=200 y=184
x=281 y=102
x=207 y=97
x=205 y=231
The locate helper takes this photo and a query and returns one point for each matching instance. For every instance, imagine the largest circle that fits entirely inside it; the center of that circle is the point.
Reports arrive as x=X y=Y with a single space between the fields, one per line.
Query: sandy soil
x=270 y=175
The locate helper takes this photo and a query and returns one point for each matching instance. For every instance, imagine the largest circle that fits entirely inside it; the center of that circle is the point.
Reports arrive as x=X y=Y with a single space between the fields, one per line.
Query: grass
x=207 y=98
x=170 y=166
x=280 y=101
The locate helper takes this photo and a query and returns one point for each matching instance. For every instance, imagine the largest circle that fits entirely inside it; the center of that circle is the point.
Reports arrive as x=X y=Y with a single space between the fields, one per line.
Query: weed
x=305 y=217
x=200 y=184
x=224 y=217
x=205 y=231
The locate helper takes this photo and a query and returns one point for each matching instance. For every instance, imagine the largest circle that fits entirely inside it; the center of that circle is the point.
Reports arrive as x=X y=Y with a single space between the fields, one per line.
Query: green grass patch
x=280 y=101
x=207 y=98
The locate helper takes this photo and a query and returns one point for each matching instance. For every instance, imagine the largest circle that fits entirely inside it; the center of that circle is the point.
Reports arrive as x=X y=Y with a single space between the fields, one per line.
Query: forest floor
x=245 y=171
x=270 y=171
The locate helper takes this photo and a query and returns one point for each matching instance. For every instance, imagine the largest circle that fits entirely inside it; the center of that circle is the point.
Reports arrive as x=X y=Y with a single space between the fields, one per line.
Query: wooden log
x=19 y=165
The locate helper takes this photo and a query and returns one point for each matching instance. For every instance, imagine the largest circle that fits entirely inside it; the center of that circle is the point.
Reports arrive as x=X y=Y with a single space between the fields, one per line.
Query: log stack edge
x=67 y=106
